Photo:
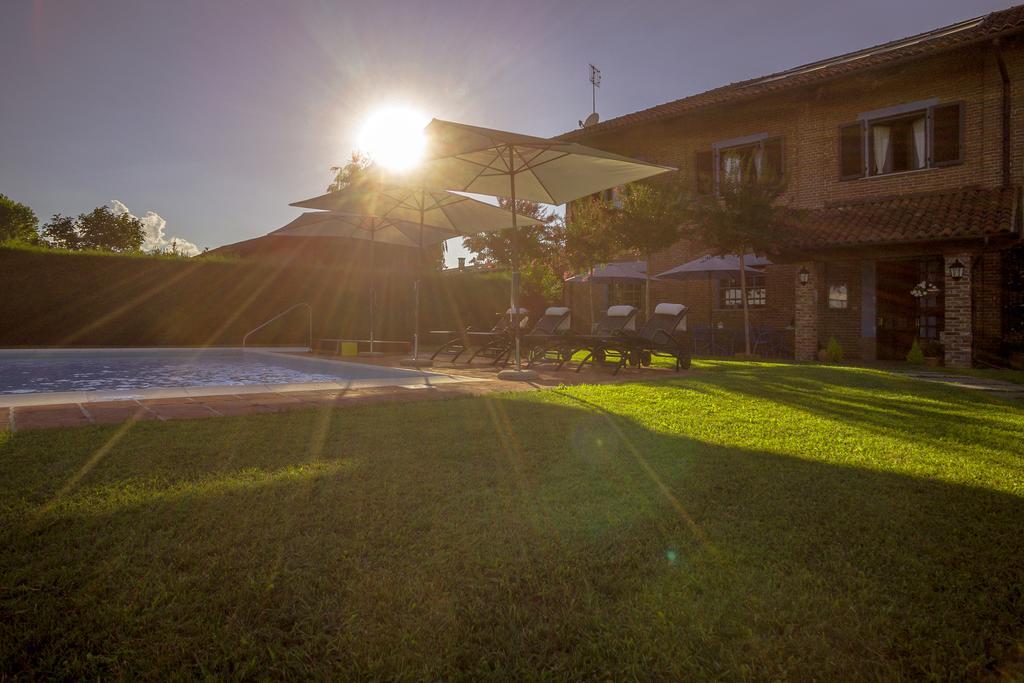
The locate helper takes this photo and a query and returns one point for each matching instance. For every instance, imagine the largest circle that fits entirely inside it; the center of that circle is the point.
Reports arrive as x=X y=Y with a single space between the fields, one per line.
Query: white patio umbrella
x=500 y=163
x=433 y=213
x=386 y=230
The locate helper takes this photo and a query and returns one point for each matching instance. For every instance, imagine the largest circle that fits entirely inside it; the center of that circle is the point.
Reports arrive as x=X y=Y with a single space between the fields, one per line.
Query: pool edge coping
x=415 y=378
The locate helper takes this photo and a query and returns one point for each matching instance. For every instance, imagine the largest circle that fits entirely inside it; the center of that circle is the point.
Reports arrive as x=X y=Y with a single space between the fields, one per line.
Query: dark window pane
x=851 y=151
x=946 y=134
x=705 y=172
x=898 y=145
x=772 y=170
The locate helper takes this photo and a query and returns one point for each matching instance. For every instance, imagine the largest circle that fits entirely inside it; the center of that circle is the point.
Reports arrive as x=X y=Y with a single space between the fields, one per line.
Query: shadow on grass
x=490 y=538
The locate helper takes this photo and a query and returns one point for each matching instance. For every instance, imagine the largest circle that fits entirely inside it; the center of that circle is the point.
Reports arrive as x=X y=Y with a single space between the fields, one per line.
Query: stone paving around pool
x=111 y=412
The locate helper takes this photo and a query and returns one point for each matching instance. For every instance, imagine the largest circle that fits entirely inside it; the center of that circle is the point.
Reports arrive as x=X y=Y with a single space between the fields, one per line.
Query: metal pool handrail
x=283 y=313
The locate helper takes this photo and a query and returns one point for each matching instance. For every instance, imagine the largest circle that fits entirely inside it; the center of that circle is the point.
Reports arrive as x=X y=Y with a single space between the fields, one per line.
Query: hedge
x=70 y=299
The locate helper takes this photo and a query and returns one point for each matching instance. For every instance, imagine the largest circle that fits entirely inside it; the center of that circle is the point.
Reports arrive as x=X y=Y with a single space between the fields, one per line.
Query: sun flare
x=393 y=137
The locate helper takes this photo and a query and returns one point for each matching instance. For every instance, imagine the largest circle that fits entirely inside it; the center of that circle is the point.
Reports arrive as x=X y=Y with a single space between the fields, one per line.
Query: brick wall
x=806 y=310
x=809 y=121
x=958 y=338
x=841 y=323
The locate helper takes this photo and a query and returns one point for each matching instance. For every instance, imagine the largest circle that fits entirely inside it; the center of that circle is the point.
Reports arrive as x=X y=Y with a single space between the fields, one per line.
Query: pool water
x=42 y=371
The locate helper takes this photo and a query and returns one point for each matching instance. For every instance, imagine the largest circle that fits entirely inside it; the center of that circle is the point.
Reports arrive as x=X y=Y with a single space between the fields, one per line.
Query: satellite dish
x=591 y=120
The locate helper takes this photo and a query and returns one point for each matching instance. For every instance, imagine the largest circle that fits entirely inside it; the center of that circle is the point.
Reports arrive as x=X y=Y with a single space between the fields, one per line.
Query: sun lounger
x=545 y=341
x=615 y=321
x=492 y=343
x=662 y=335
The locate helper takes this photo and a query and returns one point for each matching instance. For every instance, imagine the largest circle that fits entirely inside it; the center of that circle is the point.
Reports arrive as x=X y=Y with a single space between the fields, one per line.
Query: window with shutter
x=902 y=138
x=753 y=162
x=773 y=169
x=705 y=172
x=946 y=133
x=851 y=151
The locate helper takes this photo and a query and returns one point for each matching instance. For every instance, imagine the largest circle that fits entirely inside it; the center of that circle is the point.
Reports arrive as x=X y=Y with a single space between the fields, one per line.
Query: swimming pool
x=30 y=376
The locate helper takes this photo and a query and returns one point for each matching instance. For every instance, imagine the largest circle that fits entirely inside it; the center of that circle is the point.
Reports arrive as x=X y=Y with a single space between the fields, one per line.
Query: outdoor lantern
x=956 y=270
x=805 y=276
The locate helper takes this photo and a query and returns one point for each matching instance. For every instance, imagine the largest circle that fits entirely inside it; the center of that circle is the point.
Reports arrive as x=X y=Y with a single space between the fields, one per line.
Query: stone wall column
x=958 y=338
x=806 y=314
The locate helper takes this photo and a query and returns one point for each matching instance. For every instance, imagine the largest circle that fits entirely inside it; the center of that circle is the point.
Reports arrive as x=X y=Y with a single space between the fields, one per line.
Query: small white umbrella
x=500 y=163
x=705 y=267
x=613 y=272
x=436 y=213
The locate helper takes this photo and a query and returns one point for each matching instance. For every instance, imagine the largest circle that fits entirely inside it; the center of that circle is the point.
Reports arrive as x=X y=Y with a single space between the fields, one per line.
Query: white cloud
x=153 y=225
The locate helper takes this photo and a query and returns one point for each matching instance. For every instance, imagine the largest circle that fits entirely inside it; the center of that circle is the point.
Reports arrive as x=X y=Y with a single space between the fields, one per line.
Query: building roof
x=942 y=39
x=964 y=214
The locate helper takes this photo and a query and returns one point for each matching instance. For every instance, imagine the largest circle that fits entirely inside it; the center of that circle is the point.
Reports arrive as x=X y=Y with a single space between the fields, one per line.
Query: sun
x=393 y=137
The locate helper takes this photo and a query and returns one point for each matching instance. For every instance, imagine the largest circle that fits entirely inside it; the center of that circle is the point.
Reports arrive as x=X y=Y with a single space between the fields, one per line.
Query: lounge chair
x=546 y=340
x=659 y=337
x=616 y=321
x=489 y=343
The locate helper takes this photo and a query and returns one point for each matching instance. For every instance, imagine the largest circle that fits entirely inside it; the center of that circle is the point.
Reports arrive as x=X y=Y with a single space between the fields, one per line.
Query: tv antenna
x=595 y=83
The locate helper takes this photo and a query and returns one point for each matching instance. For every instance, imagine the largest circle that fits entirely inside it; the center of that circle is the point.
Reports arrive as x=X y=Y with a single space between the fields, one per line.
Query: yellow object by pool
x=349 y=349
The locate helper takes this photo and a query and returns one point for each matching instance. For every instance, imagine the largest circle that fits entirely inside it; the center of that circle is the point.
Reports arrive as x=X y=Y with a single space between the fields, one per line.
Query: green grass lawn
x=742 y=522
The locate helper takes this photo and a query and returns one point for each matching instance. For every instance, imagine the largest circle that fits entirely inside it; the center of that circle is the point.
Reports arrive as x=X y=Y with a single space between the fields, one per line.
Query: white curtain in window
x=758 y=162
x=919 y=142
x=881 y=136
x=732 y=165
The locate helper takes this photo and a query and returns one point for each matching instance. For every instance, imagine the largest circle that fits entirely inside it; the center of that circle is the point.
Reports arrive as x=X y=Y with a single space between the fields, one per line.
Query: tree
x=650 y=217
x=355 y=171
x=587 y=239
x=17 y=221
x=539 y=255
x=496 y=246
x=99 y=229
x=62 y=232
x=747 y=216
x=645 y=218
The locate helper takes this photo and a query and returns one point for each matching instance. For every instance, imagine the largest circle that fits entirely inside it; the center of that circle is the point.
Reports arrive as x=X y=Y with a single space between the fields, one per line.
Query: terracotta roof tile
x=947 y=38
x=965 y=214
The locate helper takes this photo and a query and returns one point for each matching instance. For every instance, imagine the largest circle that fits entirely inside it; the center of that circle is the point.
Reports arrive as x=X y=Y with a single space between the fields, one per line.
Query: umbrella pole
x=515 y=268
x=373 y=291
x=419 y=283
x=518 y=373
x=373 y=286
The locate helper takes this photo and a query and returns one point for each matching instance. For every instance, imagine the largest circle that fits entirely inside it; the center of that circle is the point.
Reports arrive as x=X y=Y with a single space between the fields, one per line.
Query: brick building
x=908 y=158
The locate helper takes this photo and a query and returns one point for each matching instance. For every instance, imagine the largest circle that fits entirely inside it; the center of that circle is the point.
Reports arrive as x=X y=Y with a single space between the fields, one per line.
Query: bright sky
x=216 y=115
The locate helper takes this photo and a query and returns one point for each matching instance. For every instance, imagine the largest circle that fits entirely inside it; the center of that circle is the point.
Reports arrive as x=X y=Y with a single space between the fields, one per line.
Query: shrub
x=834 y=351
x=915 y=356
x=72 y=298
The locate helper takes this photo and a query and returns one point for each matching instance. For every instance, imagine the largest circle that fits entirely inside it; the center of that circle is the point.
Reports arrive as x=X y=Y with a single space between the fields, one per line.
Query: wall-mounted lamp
x=804 y=276
x=956 y=270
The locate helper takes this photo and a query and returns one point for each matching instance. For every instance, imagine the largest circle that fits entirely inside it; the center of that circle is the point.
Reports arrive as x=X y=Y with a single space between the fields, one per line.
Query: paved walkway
x=996 y=386
x=111 y=412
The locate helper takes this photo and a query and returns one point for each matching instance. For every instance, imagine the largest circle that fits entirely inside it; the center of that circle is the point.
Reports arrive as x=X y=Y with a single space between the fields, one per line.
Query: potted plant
x=915 y=356
x=933 y=352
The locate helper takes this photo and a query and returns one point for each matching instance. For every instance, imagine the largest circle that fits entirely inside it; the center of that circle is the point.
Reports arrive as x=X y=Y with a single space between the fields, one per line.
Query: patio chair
x=765 y=341
x=546 y=341
x=488 y=343
x=659 y=337
x=703 y=341
x=615 y=321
